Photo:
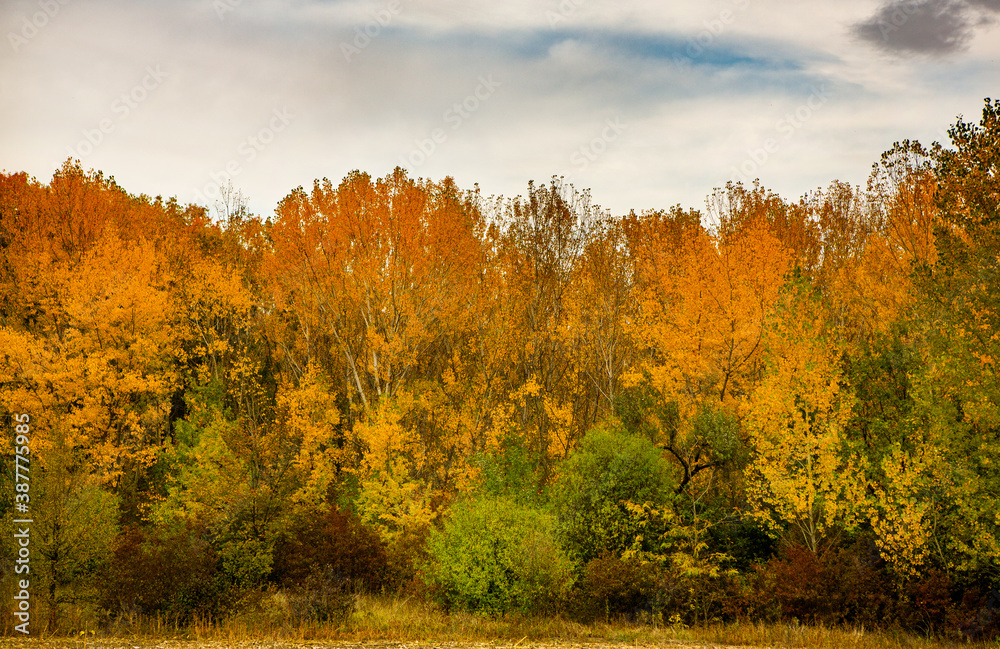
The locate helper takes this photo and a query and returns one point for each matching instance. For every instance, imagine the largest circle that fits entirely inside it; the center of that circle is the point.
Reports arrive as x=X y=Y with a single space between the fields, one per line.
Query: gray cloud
x=933 y=27
x=992 y=5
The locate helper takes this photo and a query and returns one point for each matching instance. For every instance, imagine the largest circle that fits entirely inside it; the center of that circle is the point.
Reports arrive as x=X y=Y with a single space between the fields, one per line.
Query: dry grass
x=405 y=623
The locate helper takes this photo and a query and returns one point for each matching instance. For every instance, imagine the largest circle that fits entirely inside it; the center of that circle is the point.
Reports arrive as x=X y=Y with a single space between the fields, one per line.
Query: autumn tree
x=705 y=300
x=600 y=316
x=88 y=297
x=957 y=395
x=544 y=238
x=89 y=341
x=799 y=475
x=376 y=282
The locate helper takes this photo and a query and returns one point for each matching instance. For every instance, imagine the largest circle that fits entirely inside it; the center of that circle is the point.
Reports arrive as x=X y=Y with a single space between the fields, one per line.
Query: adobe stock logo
x=246 y=152
x=591 y=151
x=456 y=116
x=121 y=108
x=698 y=44
x=38 y=20
x=786 y=127
x=898 y=18
x=566 y=9
x=222 y=7
x=365 y=34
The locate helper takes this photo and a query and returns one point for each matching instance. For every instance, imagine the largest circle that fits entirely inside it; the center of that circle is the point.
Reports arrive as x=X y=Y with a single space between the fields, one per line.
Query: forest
x=763 y=410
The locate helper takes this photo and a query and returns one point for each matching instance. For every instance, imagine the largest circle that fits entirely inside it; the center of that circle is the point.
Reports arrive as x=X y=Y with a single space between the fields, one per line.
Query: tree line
x=765 y=409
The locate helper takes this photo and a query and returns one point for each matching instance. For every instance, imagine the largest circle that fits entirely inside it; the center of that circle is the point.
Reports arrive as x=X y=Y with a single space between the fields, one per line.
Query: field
x=403 y=623
x=703 y=639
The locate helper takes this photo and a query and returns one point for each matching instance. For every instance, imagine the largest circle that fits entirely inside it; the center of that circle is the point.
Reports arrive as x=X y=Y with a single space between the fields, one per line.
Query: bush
x=337 y=545
x=610 y=470
x=510 y=472
x=800 y=586
x=863 y=577
x=173 y=573
x=977 y=618
x=927 y=602
x=494 y=556
x=612 y=587
x=321 y=596
x=703 y=596
x=841 y=585
x=744 y=540
x=629 y=588
x=246 y=564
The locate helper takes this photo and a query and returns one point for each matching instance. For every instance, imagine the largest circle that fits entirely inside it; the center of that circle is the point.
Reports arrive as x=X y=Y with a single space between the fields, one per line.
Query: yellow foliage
x=705 y=312
x=98 y=370
x=899 y=513
x=796 y=418
x=393 y=497
x=393 y=503
x=311 y=418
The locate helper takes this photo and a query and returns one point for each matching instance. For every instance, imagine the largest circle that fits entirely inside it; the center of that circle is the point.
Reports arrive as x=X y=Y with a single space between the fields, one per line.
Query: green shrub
x=246 y=563
x=494 y=556
x=510 y=472
x=602 y=486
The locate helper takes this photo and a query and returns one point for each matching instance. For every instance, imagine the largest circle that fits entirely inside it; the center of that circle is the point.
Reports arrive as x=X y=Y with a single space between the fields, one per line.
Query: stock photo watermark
x=22 y=522
x=365 y=34
x=565 y=9
x=246 y=152
x=900 y=15
x=120 y=109
x=589 y=153
x=453 y=117
x=31 y=25
x=698 y=44
x=786 y=128
x=223 y=7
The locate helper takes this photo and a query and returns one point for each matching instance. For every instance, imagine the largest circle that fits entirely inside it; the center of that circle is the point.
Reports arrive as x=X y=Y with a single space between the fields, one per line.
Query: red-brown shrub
x=337 y=545
x=977 y=617
x=926 y=603
x=161 y=573
x=841 y=585
x=612 y=587
x=799 y=584
x=704 y=598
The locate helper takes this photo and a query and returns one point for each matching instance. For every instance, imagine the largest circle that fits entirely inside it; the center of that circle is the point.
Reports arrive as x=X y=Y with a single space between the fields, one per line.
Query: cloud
x=992 y=5
x=697 y=89
x=932 y=27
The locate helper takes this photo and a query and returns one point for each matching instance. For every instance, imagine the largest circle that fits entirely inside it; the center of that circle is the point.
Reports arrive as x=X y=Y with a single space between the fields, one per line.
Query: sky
x=648 y=104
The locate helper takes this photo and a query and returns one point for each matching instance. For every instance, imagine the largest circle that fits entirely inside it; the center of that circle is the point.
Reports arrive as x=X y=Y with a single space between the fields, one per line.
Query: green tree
x=76 y=521
x=956 y=466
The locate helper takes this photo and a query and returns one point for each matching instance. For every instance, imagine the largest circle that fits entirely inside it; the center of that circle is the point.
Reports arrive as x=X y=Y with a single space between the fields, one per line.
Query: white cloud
x=691 y=113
